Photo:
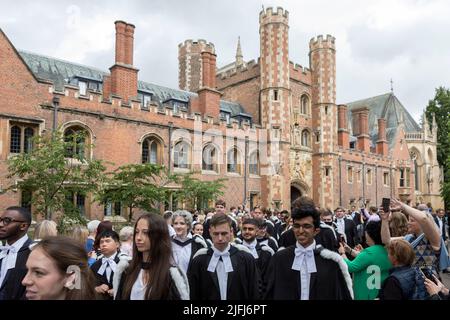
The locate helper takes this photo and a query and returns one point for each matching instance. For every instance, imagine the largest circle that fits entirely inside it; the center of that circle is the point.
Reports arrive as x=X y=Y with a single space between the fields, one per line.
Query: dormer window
x=145 y=99
x=82 y=85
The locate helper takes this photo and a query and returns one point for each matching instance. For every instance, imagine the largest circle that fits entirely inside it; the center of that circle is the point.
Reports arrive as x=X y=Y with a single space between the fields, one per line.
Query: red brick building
x=271 y=127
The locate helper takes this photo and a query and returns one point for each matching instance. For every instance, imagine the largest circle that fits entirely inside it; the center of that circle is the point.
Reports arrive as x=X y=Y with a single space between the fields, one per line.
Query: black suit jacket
x=350 y=232
x=12 y=288
x=242 y=282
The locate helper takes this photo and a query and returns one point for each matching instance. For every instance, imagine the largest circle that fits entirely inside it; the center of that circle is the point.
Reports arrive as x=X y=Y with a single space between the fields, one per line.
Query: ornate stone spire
x=239 y=56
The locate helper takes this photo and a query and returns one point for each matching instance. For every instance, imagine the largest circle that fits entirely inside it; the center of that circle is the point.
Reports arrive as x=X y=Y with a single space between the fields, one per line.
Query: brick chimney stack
x=382 y=145
x=361 y=115
x=123 y=79
x=208 y=97
x=343 y=136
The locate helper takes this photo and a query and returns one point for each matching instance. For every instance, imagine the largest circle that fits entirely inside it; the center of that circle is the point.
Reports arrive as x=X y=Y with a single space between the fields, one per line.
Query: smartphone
x=342 y=238
x=427 y=273
x=386 y=203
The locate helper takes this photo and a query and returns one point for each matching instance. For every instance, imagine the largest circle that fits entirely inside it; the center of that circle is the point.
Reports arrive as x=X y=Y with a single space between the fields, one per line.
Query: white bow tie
x=252 y=248
x=105 y=263
x=215 y=260
x=7 y=248
x=300 y=255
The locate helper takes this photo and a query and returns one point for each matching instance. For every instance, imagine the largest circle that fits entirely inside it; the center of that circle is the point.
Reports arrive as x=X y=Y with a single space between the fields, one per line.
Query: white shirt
x=305 y=273
x=252 y=247
x=340 y=223
x=182 y=254
x=9 y=257
x=138 y=289
x=108 y=269
x=222 y=275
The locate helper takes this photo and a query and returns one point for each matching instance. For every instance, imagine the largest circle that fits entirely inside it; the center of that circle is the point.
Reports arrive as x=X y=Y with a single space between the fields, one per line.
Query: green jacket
x=363 y=270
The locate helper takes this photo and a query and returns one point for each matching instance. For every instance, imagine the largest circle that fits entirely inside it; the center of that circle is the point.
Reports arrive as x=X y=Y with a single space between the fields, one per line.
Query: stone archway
x=298 y=189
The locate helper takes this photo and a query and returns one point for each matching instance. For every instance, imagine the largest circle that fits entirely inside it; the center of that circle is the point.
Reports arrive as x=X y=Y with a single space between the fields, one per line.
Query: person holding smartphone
x=423 y=235
x=436 y=289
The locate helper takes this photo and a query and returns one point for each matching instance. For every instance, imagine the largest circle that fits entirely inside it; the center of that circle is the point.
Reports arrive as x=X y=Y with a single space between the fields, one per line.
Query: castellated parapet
x=321 y=43
x=271 y=16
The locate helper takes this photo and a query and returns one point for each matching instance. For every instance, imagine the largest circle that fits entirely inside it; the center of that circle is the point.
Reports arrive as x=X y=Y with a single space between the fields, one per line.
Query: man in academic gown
x=14 y=224
x=346 y=227
x=307 y=271
x=261 y=252
x=224 y=271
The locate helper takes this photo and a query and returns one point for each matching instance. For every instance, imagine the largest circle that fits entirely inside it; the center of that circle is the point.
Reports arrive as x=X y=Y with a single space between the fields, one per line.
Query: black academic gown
x=271 y=242
x=242 y=283
x=102 y=279
x=283 y=283
x=12 y=288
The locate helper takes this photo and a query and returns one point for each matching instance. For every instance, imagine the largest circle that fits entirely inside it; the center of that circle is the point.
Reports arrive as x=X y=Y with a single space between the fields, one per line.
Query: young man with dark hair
x=307 y=271
x=105 y=266
x=220 y=208
x=14 y=224
x=261 y=252
x=224 y=271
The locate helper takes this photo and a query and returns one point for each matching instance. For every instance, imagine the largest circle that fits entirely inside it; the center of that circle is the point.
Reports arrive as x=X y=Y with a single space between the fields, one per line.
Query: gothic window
x=21 y=138
x=16 y=134
x=181 y=155
x=151 y=151
x=77 y=141
x=304 y=104
x=254 y=163
x=209 y=158
x=306 y=138
x=233 y=161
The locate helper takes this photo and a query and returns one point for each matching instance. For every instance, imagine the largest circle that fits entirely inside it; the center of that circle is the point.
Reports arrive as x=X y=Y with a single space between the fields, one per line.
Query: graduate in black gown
x=261 y=252
x=307 y=271
x=224 y=271
x=106 y=265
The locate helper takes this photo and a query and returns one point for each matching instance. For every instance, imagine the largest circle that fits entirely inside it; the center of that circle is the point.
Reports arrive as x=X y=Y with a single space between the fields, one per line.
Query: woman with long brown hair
x=58 y=270
x=150 y=274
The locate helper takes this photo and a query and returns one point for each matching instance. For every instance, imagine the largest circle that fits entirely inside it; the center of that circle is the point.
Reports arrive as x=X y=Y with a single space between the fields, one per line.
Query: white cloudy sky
x=376 y=40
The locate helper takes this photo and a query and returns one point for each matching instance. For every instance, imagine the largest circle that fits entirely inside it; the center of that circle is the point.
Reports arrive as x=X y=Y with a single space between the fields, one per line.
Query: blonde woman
x=44 y=229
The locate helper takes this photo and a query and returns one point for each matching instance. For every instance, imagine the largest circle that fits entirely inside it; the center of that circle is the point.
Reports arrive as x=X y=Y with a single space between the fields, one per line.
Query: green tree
x=198 y=192
x=440 y=107
x=137 y=186
x=53 y=176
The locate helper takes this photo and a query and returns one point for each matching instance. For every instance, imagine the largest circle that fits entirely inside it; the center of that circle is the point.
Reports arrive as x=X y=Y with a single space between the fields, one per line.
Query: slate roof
x=60 y=72
x=385 y=106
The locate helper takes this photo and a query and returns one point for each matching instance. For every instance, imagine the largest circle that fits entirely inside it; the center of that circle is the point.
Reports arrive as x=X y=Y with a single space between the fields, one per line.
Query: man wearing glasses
x=307 y=271
x=14 y=224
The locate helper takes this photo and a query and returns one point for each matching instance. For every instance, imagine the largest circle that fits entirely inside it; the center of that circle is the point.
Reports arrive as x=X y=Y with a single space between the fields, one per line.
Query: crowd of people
x=307 y=253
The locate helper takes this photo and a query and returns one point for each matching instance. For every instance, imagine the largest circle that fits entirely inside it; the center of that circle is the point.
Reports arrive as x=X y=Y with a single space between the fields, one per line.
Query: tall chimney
x=123 y=74
x=208 y=97
x=343 y=136
x=361 y=115
x=206 y=68
x=382 y=145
